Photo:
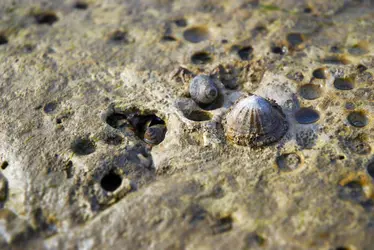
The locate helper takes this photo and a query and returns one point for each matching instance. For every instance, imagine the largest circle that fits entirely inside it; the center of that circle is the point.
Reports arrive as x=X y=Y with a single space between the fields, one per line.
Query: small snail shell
x=255 y=121
x=203 y=90
x=155 y=134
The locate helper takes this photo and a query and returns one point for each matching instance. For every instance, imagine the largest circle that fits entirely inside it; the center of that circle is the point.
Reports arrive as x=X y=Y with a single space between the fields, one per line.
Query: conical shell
x=255 y=121
x=203 y=90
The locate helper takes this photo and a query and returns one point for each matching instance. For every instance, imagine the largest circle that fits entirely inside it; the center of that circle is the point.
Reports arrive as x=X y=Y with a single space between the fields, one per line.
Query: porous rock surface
x=70 y=179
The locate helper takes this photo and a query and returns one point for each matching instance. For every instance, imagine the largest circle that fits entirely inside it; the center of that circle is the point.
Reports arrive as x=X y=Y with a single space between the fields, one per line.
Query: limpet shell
x=255 y=121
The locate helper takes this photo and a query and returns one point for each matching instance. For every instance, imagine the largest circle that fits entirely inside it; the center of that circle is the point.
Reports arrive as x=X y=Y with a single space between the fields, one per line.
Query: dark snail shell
x=255 y=121
x=203 y=90
x=155 y=134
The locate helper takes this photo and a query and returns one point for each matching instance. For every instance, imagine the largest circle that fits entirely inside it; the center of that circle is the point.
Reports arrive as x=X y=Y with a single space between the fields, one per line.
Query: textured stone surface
x=77 y=82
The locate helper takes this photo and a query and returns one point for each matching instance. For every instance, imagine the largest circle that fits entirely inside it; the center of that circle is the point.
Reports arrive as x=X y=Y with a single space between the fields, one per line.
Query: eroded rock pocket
x=144 y=124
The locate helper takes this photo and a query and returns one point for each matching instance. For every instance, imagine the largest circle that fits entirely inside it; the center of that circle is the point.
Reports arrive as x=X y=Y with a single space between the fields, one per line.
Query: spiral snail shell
x=255 y=121
x=203 y=90
x=155 y=134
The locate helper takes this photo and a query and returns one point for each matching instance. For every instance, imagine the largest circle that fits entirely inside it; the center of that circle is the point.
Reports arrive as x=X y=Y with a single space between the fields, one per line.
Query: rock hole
x=46 y=18
x=69 y=169
x=295 y=39
x=83 y=146
x=320 y=73
x=343 y=248
x=58 y=120
x=4 y=165
x=224 y=41
x=361 y=68
x=306 y=116
x=339 y=60
x=116 y=120
x=50 y=107
x=119 y=36
x=111 y=181
x=343 y=83
x=357 y=119
x=80 y=5
x=196 y=34
x=254 y=240
x=3 y=39
x=198 y=116
x=222 y=225
x=308 y=10
x=352 y=191
x=168 y=39
x=279 y=50
x=370 y=169
x=201 y=58
x=358 y=49
x=341 y=157
x=113 y=139
x=181 y=22
x=245 y=53
x=310 y=91
x=288 y=162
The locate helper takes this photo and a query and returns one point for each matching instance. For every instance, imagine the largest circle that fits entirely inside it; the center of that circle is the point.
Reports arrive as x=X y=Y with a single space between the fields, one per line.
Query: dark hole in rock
x=195 y=214
x=307 y=10
x=80 y=5
x=288 y=162
x=111 y=181
x=352 y=191
x=196 y=34
x=370 y=169
x=341 y=157
x=28 y=48
x=50 y=107
x=361 y=68
x=336 y=49
x=258 y=30
x=46 y=18
x=295 y=39
x=4 y=165
x=310 y=91
x=245 y=53
x=83 y=146
x=113 y=139
x=3 y=39
x=198 y=116
x=279 y=50
x=116 y=120
x=201 y=58
x=343 y=83
x=58 y=120
x=343 y=248
x=168 y=39
x=119 y=36
x=350 y=106
x=357 y=119
x=222 y=225
x=253 y=240
x=306 y=116
x=336 y=60
x=224 y=41
x=320 y=73
x=69 y=169
x=181 y=22
x=358 y=50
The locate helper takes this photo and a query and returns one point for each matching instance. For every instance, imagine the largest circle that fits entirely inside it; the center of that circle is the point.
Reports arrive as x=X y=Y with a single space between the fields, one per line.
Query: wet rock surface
x=103 y=147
